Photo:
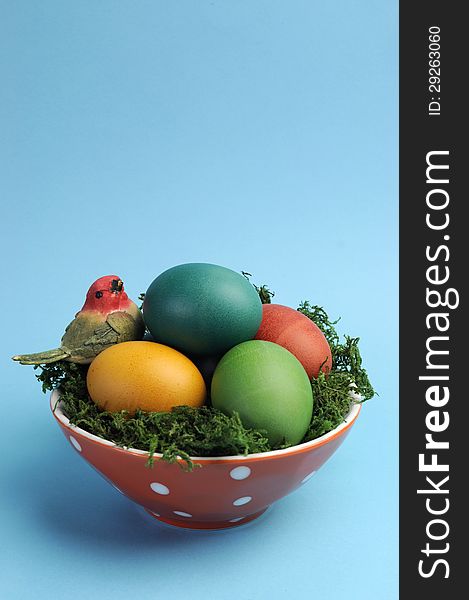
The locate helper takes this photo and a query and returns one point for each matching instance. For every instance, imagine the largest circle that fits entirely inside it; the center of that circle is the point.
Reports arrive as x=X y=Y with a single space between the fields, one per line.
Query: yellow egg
x=146 y=376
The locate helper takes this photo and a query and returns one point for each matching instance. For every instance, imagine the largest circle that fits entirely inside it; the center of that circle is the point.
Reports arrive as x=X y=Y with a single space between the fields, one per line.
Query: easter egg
x=202 y=309
x=207 y=366
x=268 y=387
x=298 y=334
x=144 y=375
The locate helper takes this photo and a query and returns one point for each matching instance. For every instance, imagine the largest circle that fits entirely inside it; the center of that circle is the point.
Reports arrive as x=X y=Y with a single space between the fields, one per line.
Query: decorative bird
x=107 y=318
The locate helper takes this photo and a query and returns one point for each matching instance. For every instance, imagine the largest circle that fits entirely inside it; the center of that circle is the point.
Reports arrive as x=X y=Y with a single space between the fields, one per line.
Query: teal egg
x=268 y=387
x=202 y=309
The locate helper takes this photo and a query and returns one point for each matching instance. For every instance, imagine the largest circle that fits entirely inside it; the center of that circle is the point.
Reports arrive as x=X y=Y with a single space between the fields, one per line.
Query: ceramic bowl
x=225 y=491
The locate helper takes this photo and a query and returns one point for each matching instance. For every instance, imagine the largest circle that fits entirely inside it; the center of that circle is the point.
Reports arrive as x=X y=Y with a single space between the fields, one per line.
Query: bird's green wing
x=88 y=335
x=118 y=327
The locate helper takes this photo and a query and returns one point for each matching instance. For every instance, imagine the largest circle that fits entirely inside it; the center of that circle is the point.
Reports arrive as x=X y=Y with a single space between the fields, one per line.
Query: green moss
x=264 y=293
x=186 y=432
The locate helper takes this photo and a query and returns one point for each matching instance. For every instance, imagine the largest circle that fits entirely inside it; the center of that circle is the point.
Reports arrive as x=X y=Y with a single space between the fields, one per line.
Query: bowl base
x=190 y=524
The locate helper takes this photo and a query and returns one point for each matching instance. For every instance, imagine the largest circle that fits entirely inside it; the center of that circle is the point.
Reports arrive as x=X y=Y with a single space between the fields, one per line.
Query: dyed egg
x=298 y=334
x=202 y=309
x=268 y=387
x=144 y=375
x=207 y=366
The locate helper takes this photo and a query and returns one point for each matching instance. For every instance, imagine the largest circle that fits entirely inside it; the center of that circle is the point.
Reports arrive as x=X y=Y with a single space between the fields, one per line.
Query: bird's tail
x=42 y=358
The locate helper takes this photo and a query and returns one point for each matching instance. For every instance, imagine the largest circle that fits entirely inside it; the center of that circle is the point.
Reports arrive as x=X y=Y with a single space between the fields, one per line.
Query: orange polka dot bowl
x=224 y=492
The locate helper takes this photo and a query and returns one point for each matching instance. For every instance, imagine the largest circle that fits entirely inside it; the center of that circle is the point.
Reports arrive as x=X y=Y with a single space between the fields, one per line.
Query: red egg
x=298 y=334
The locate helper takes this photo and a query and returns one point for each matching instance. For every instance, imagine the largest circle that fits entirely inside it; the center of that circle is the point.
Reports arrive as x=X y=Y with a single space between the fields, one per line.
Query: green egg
x=202 y=309
x=268 y=387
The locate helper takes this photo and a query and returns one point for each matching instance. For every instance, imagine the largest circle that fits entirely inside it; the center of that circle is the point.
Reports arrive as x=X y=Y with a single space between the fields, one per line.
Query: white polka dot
x=159 y=488
x=243 y=500
x=240 y=473
x=181 y=513
x=236 y=520
x=308 y=477
x=75 y=443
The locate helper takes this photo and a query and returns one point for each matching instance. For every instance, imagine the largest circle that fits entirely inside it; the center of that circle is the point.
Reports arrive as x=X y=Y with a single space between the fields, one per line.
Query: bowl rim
x=349 y=420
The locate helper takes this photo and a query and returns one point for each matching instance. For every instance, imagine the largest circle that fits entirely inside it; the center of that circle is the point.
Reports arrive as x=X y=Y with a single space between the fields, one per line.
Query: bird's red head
x=106 y=295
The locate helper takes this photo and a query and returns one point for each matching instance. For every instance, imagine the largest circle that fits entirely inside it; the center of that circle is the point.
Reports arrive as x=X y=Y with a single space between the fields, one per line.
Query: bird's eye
x=99 y=294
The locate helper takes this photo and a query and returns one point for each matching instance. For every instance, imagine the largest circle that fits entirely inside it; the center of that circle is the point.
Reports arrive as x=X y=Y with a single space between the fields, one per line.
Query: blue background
x=259 y=135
